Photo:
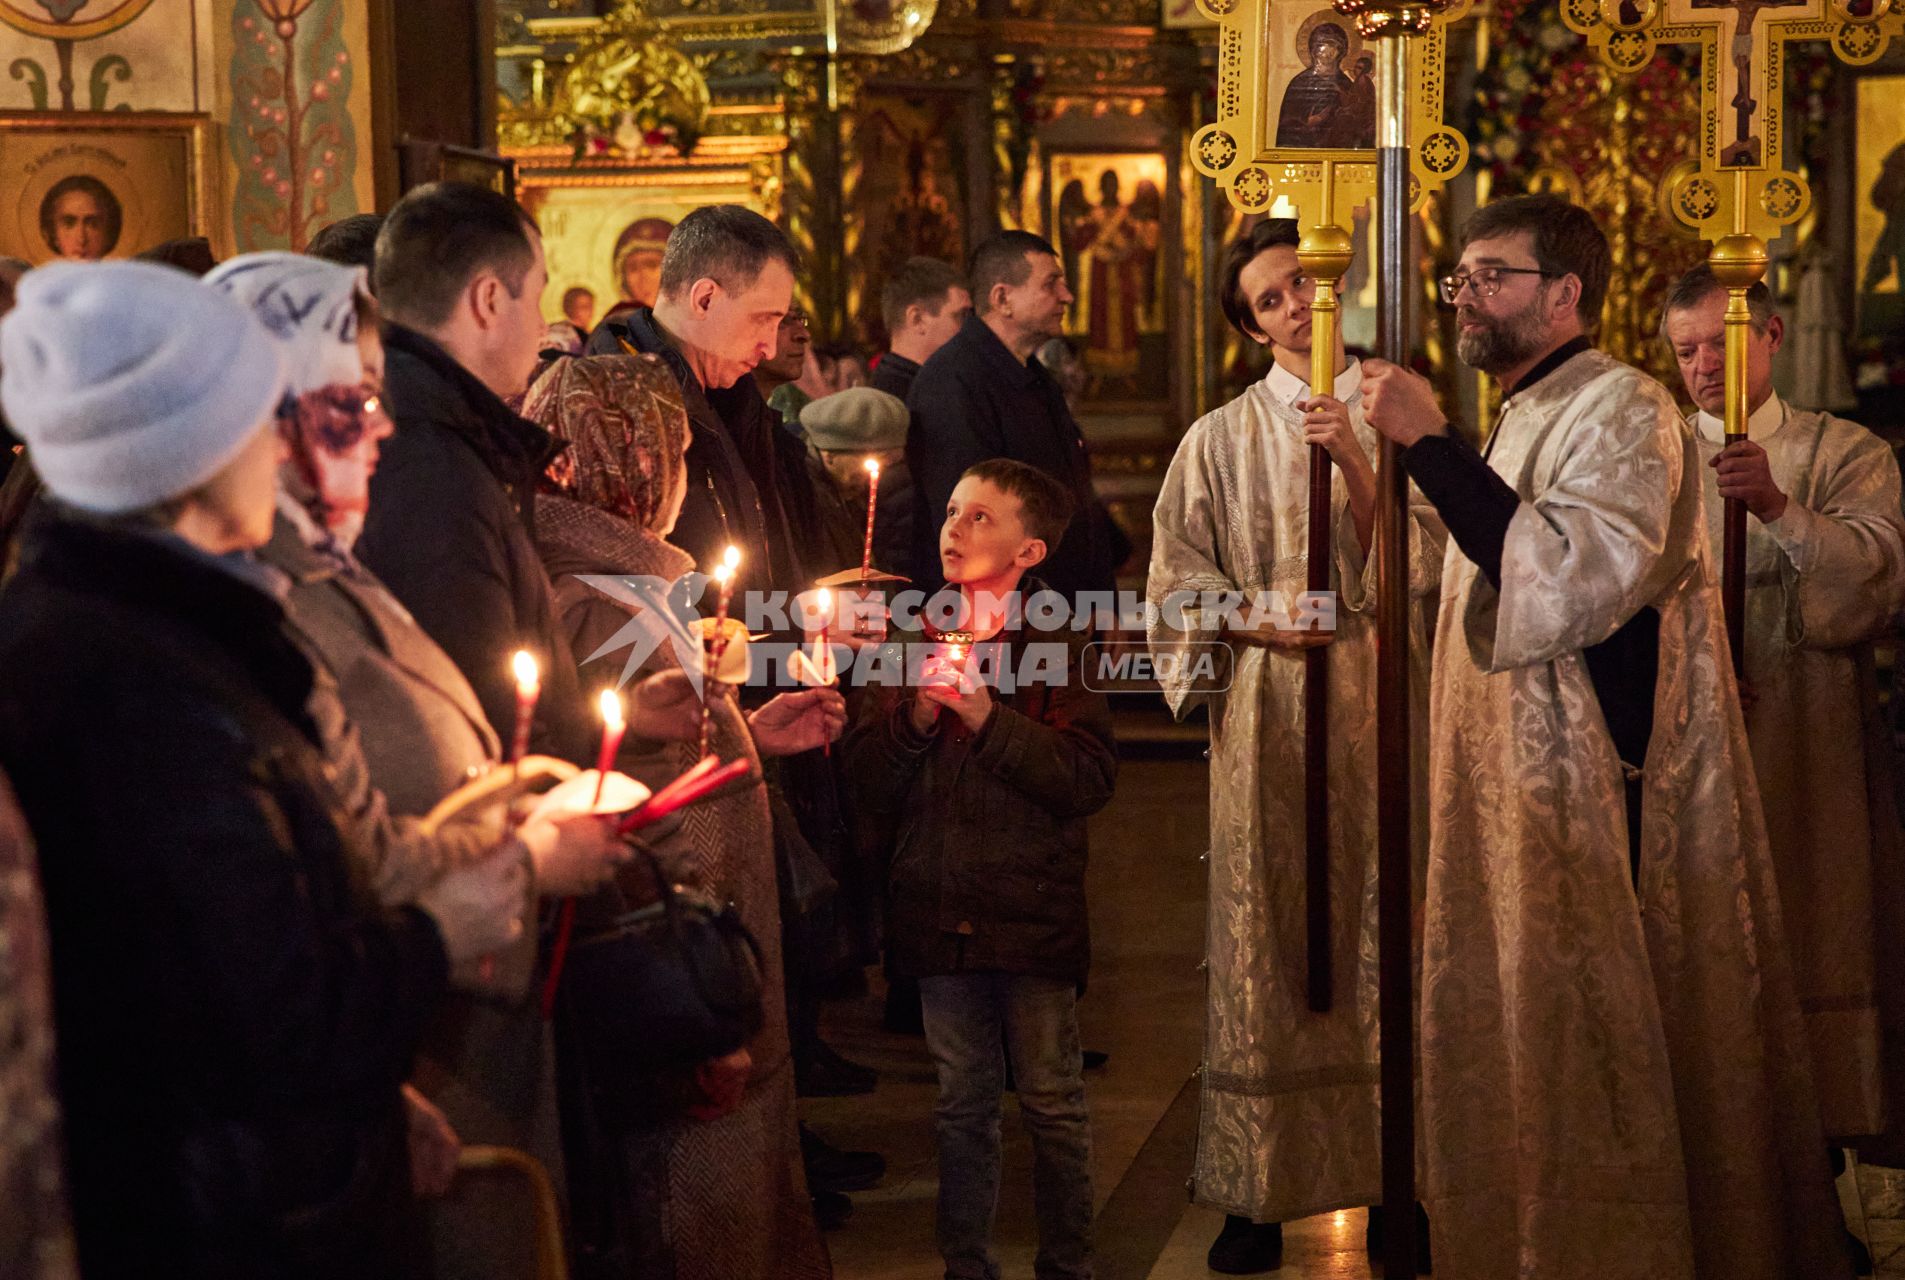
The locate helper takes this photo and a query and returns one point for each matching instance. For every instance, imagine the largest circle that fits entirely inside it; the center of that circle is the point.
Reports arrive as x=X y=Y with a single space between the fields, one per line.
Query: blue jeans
x=972 y=1021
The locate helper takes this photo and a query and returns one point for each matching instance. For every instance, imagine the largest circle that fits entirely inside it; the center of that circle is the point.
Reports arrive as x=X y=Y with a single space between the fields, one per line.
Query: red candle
x=528 y=689
x=873 y=498
x=825 y=668
x=717 y=644
x=696 y=784
x=613 y=726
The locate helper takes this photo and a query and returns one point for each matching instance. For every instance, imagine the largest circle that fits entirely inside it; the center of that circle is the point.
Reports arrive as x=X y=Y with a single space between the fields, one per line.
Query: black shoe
x=1372 y=1238
x=831 y=1169
x=1246 y=1248
x=831 y=1210
x=822 y=1073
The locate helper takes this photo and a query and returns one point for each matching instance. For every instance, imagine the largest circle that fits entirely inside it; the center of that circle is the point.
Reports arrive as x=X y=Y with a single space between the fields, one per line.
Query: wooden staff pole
x=1325 y=252
x=1394 y=842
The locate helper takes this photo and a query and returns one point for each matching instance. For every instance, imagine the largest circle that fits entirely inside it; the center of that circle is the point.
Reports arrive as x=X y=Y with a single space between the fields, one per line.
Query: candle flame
x=731 y=559
x=528 y=676
x=724 y=574
x=825 y=600
x=611 y=704
x=873 y=467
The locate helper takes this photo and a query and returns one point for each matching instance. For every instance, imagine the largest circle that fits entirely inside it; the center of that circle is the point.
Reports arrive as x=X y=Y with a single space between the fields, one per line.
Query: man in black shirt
x=983 y=395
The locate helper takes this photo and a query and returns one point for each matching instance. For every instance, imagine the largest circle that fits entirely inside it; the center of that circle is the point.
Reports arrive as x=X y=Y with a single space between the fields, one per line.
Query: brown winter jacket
x=988 y=868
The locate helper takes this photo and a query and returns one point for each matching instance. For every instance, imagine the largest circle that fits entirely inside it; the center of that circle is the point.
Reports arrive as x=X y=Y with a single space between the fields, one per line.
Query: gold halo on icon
x=1336 y=20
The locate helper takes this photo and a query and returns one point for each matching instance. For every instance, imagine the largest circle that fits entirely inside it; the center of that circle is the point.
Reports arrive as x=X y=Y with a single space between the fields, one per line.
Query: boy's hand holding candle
x=967 y=698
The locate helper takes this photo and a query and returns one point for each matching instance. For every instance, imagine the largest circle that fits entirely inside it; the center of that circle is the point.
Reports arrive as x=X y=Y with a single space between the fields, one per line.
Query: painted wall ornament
x=292 y=136
x=67 y=24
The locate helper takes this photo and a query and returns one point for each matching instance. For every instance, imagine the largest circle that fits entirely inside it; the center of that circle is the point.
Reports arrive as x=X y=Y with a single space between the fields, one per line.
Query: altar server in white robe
x=1825 y=572
x=1289 y=1123
x=1614 y=1076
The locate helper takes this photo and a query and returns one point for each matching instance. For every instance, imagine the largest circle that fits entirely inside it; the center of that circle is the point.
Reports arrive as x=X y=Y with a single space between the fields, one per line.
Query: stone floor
x=1144 y=1008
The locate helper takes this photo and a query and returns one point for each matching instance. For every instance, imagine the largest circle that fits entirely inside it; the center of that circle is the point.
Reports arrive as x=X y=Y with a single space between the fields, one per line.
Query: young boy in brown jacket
x=989 y=757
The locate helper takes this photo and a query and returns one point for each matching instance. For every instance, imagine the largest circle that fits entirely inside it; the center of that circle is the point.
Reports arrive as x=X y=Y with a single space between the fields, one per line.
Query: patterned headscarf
x=626 y=428
x=332 y=423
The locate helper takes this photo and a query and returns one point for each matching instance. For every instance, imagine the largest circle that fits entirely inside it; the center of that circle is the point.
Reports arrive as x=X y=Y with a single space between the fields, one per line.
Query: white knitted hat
x=132 y=383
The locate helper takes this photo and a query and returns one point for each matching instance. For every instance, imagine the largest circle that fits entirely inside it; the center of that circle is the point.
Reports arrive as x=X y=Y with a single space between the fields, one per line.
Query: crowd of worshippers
x=392 y=788
x=383 y=798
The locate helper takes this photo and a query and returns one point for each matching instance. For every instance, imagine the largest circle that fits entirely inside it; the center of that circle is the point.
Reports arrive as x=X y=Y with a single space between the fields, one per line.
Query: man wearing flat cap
x=844 y=431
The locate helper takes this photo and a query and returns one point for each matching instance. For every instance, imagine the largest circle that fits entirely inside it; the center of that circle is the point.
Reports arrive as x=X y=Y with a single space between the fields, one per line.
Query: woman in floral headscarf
x=724 y=1199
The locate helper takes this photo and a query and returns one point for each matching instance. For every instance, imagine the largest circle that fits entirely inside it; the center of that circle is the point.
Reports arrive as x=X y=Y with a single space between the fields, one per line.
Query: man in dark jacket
x=460 y=276
x=235 y=1015
x=983 y=395
x=727 y=278
x=923 y=305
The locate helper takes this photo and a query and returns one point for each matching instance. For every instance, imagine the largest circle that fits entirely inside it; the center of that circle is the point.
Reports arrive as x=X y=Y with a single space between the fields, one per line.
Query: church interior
x=873 y=132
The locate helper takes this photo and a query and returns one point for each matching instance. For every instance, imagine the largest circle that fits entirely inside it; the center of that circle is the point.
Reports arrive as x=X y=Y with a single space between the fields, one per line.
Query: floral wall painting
x=292 y=136
x=87 y=186
x=101 y=55
x=1107 y=218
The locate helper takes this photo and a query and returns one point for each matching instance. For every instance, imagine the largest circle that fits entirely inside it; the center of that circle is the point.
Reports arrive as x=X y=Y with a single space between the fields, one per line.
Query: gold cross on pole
x=1741 y=185
x=1740 y=193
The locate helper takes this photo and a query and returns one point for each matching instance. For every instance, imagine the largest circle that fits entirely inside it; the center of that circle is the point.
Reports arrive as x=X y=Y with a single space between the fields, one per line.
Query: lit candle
x=873 y=498
x=724 y=578
x=528 y=689
x=718 y=641
x=823 y=648
x=612 y=727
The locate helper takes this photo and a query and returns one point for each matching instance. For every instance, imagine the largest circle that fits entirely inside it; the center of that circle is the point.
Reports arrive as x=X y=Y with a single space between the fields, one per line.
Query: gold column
x=1739 y=262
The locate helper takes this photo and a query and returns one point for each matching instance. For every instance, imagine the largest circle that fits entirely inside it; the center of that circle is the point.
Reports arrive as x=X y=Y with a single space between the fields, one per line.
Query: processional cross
x=1326 y=156
x=1741 y=193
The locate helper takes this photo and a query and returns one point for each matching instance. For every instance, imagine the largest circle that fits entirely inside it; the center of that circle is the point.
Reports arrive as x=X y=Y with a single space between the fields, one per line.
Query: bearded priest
x=1614 y=1076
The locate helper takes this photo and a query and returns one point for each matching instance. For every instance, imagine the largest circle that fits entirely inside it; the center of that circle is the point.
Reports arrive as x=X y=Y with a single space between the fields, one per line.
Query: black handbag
x=661 y=990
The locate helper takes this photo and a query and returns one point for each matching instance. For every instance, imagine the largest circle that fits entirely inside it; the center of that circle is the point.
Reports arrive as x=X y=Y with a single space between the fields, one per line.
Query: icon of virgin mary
x=1320 y=104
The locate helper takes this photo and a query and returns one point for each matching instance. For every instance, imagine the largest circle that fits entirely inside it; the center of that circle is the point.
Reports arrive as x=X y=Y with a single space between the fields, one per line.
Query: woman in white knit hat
x=235 y=1016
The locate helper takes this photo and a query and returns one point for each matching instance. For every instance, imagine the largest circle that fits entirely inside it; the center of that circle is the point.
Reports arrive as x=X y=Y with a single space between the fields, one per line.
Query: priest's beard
x=1500 y=343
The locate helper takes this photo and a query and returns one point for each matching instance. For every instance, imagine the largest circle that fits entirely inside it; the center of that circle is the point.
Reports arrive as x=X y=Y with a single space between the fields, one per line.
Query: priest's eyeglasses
x=1485 y=281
